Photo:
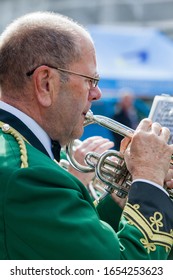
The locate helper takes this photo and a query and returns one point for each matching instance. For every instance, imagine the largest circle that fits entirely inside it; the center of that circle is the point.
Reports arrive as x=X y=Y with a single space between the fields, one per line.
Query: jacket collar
x=16 y=123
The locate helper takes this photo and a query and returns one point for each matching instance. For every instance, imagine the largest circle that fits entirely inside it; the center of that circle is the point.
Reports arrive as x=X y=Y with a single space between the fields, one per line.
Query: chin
x=79 y=133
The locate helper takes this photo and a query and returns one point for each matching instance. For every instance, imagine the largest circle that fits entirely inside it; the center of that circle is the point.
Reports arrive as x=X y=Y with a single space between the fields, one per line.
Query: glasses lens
x=94 y=83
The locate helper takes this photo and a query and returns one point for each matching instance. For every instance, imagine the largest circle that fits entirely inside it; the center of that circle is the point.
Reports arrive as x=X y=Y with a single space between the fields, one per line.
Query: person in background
x=48 y=81
x=125 y=113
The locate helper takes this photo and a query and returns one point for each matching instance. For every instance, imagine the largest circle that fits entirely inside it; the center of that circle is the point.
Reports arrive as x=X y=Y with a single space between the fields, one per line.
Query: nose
x=95 y=93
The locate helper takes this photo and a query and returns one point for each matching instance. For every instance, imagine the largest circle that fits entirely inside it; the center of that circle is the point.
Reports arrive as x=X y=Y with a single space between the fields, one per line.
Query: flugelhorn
x=112 y=173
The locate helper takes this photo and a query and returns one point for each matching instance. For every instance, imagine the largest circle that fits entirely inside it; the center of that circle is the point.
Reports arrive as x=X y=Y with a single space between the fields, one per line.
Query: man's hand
x=148 y=155
x=96 y=144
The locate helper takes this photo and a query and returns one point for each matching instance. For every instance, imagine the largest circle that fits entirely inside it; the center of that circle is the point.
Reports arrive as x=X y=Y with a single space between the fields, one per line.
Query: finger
x=124 y=144
x=91 y=139
x=101 y=145
x=156 y=128
x=165 y=133
x=169 y=184
x=171 y=148
x=104 y=147
x=169 y=175
x=96 y=144
x=145 y=124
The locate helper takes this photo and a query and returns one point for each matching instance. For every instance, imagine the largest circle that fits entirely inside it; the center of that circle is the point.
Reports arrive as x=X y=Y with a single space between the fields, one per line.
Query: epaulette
x=6 y=128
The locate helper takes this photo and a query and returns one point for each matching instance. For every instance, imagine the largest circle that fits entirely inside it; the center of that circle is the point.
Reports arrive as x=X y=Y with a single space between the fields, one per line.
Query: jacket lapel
x=17 y=124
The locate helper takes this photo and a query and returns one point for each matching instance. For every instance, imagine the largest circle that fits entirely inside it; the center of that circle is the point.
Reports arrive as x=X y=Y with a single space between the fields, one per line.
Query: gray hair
x=35 y=39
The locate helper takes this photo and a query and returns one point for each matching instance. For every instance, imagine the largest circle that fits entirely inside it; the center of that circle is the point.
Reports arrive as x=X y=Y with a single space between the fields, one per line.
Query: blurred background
x=134 y=44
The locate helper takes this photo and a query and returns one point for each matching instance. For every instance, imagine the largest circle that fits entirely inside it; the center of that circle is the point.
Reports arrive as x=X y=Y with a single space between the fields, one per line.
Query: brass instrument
x=112 y=173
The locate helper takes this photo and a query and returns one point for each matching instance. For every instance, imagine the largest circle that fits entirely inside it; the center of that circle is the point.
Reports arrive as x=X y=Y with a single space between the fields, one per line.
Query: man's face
x=75 y=97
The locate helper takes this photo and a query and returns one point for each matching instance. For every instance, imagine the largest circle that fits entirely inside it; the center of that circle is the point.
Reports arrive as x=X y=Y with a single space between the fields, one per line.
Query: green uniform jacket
x=46 y=213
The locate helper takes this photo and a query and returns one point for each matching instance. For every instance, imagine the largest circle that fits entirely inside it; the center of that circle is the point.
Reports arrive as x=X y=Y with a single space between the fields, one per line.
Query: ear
x=44 y=82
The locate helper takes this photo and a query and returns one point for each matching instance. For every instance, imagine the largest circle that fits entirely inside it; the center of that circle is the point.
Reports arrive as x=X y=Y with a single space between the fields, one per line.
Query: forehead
x=87 y=46
x=88 y=55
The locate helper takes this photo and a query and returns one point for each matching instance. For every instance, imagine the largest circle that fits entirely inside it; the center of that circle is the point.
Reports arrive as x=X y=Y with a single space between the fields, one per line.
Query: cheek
x=75 y=98
x=73 y=114
x=80 y=89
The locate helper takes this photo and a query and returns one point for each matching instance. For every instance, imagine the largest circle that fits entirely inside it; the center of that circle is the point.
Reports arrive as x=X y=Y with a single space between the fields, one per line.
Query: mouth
x=84 y=117
x=86 y=111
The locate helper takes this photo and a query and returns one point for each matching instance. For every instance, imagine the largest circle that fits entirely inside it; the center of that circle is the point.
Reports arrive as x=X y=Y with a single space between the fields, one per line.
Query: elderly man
x=49 y=79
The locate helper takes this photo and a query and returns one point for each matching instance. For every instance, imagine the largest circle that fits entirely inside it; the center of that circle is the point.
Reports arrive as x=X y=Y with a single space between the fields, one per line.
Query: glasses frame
x=94 y=80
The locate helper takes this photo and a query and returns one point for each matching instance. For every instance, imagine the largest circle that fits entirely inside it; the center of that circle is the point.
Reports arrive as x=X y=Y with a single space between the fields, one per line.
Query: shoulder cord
x=6 y=128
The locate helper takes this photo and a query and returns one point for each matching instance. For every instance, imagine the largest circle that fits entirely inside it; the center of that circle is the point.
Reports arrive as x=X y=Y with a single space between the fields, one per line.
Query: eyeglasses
x=94 y=81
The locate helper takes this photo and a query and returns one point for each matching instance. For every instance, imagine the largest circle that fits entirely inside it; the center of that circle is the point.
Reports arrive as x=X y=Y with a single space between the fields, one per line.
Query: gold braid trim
x=6 y=128
x=150 y=229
